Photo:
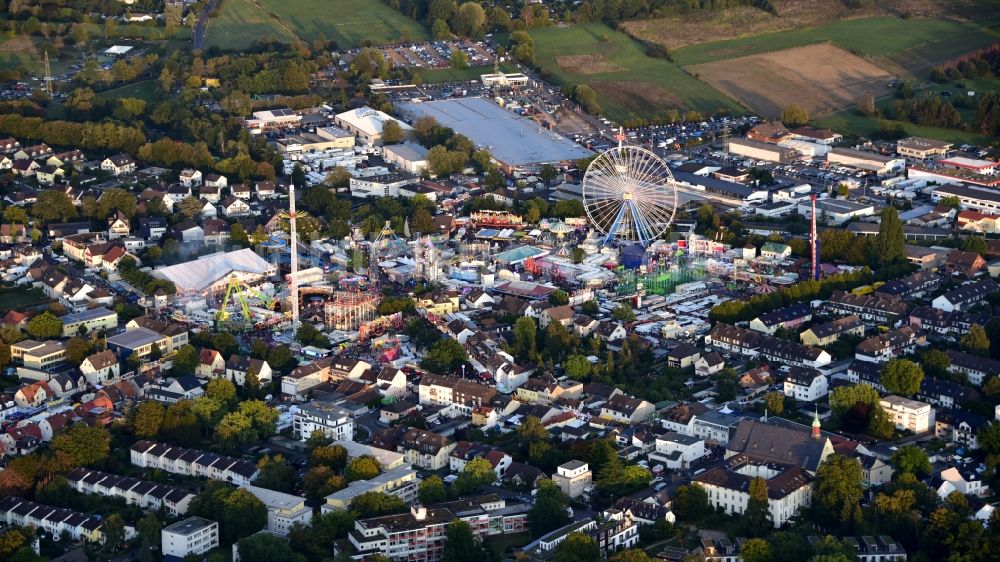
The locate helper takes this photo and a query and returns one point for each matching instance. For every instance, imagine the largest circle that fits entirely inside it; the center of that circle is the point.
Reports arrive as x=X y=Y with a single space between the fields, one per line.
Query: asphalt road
x=198 y=41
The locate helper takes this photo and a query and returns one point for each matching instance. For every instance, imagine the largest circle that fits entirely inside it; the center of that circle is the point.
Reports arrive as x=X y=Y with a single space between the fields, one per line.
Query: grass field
x=821 y=78
x=849 y=122
x=898 y=45
x=629 y=83
x=348 y=22
x=20 y=298
x=145 y=90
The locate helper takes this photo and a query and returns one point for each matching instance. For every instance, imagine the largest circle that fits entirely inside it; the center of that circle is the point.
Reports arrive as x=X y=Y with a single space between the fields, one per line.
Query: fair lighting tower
x=294 y=238
x=814 y=242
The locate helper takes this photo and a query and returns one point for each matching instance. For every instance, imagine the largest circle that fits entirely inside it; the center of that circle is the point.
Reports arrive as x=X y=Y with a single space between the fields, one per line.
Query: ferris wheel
x=629 y=195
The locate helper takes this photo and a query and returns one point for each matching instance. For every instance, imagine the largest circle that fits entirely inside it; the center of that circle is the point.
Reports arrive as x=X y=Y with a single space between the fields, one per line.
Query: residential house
x=190 y=462
x=332 y=420
x=33 y=395
x=425 y=449
x=789 y=487
x=458 y=395
x=119 y=164
x=145 y=494
x=894 y=343
x=191 y=178
x=56 y=521
x=873 y=308
x=239 y=366
x=709 y=364
x=100 y=368
x=216 y=180
x=683 y=356
x=283 y=510
x=573 y=477
x=964 y=263
x=827 y=333
x=240 y=191
x=234 y=207
x=788 y=318
x=211 y=365
x=804 y=384
x=626 y=409
x=965 y=296
x=976 y=369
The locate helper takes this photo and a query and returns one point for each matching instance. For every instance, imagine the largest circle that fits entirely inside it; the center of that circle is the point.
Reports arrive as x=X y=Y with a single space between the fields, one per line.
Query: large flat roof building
x=514 y=141
x=367 y=123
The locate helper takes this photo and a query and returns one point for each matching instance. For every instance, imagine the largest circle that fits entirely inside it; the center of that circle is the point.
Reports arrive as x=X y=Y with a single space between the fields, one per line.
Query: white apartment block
x=190 y=462
x=145 y=494
x=335 y=422
x=906 y=413
x=283 y=510
x=193 y=535
x=789 y=488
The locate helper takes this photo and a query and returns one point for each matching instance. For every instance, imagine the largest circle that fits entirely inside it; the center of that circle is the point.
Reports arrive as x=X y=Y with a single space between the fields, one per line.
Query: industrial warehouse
x=515 y=142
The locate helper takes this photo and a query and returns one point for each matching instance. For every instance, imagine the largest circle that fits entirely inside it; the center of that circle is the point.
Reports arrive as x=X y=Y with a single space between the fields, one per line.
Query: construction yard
x=821 y=78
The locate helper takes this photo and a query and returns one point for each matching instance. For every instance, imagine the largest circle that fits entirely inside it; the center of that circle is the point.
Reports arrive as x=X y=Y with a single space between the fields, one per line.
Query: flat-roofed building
x=89 y=321
x=973 y=165
x=920 y=148
x=273 y=119
x=573 y=477
x=38 y=355
x=837 y=211
x=762 y=151
x=908 y=414
x=194 y=535
x=283 y=510
x=325 y=138
x=867 y=161
x=400 y=481
x=409 y=157
x=332 y=420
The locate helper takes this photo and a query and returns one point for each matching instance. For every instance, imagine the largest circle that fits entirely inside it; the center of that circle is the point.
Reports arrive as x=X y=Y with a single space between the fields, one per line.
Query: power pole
x=294 y=240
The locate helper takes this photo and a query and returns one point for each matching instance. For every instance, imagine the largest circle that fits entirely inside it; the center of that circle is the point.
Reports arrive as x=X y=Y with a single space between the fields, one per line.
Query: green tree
x=775 y=402
x=147 y=419
x=935 y=363
x=184 y=360
x=53 y=206
x=275 y=474
x=889 y=242
x=392 y=133
x=440 y=30
x=432 y=490
x=839 y=489
x=321 y=481
x=911 y=459
x=460 y=545
x=757 y=516
x=549 y=511
x=525 y=332
x=83 y=444
x=190 y=207
x=690 y=502
x=45 y=326
x=149 y=529
x=577 y=367
x=975 y=341
x=77 y=349
x=221 y=390
x=314 y=540
x=988 y=438
x=631 y=555
x=458 y=60
x=756 y=550
x=238 y=512
x=558 y=297
x=469 y=20
x=623 y=313
x=577 y=547
x=444 y=356
x=902 y=376
x=333 y=456
x=113 y=529
x=795 y=115
x=364 y=467
x=477 y=474
x=265 y=547
x=373 y=504
x=532 y=430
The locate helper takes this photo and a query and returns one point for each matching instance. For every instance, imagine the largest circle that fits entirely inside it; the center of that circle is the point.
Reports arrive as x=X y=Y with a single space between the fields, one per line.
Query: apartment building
x=425 y=449
x=807 y=385
x=459 y=395
x=677 y=451
x=283 y=510
x=190 y=462
x=907 y=414
x=194 y=535
x=56 y=521
x=400 y=481
x=789 y=487
x=335 y=422
x=147 y=495
x=873 y=308
x=419 y=536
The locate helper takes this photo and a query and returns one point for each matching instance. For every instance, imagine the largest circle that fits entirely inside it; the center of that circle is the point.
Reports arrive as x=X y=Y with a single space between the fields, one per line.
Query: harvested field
x=705 y=26
x=822 y=78
x=637 y=96
x=587 y=64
